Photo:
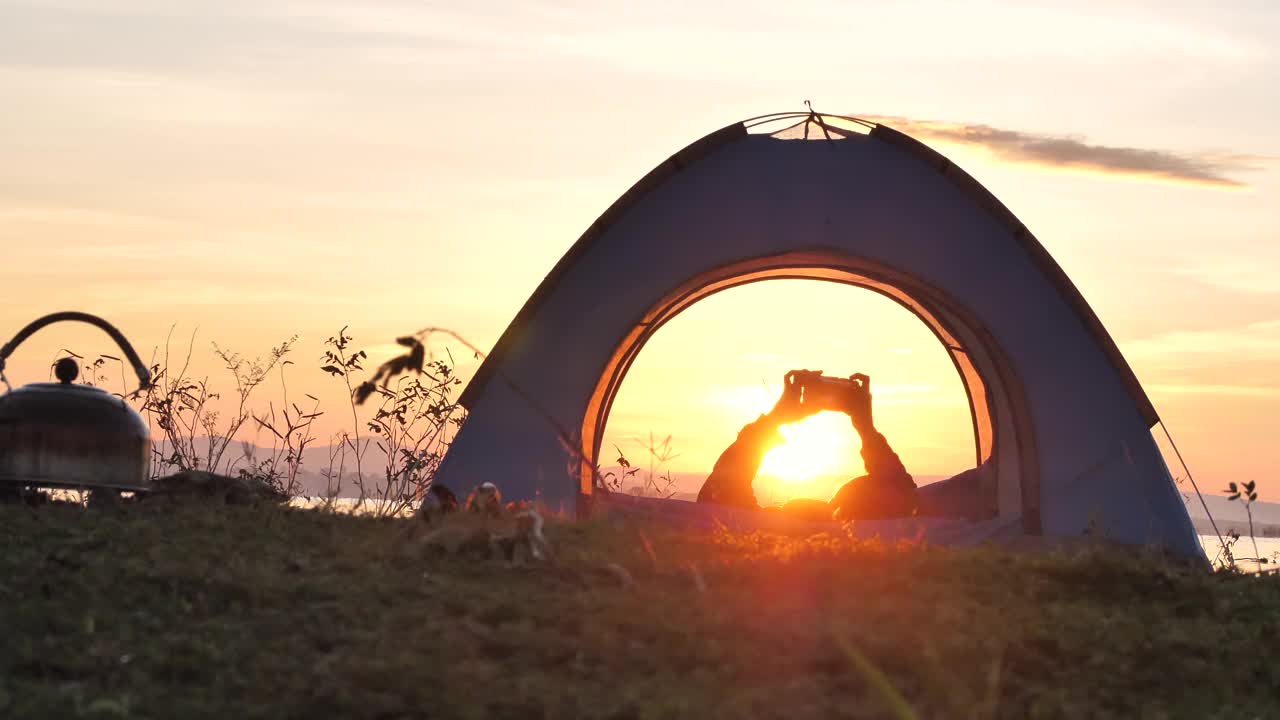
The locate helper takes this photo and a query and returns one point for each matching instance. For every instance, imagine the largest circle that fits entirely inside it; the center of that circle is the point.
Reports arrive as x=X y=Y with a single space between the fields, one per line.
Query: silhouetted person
x=886 y=491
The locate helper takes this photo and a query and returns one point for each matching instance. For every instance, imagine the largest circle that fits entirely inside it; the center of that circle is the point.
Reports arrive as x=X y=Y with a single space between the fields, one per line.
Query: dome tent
x=1058 y=416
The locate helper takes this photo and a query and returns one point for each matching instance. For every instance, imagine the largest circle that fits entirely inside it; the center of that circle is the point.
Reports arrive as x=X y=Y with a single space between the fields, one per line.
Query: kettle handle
x=144 y=375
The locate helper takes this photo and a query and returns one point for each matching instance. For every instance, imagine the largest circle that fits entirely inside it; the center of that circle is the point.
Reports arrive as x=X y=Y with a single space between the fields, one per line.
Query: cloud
x=1232 y=362
x=1212 y=389
x=1074 y=153
x=1238 y=361
x=1254 y=340
x=1255 y=275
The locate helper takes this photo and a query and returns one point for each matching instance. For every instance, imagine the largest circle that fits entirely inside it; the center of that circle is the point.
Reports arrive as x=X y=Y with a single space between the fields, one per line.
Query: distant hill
x=1230 y=515
x=316 y=460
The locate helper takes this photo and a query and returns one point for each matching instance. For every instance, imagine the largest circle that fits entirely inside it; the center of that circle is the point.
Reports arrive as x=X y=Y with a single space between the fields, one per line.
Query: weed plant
x=411 y=420
x=658 y=482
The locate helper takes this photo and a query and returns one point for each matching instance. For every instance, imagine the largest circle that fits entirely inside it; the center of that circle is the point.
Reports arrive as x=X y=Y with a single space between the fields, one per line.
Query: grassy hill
x=174 y=611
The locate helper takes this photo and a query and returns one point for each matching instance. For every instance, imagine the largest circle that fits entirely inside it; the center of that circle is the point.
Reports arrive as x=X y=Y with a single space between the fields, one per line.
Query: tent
x=1058 y=415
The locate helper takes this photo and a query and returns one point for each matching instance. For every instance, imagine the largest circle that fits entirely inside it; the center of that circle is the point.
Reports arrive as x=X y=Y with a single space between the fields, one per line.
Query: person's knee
x=861 y=500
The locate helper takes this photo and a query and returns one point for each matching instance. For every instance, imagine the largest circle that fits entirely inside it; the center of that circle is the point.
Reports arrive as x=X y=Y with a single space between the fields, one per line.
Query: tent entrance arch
x=1003 y=434
x=1056 y=407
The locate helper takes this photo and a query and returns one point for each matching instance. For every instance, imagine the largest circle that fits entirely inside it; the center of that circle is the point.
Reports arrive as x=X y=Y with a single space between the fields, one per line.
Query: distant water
x=1268 y=548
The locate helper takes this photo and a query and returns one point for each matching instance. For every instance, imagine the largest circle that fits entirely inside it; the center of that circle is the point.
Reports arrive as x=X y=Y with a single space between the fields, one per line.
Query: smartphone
x=828 y=392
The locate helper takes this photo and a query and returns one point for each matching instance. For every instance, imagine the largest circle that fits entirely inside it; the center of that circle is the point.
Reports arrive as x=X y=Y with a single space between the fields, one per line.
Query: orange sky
x=258 y=170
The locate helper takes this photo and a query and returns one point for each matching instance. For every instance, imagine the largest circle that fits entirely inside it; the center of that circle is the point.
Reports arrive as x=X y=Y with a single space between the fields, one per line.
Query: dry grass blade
x=699 y=581
x=991 y=702
x=620 y=574
x=879 y=682
x=648 y=548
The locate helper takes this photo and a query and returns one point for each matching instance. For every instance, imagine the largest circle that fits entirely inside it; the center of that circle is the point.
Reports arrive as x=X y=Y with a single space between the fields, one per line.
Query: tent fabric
x=1058 y=413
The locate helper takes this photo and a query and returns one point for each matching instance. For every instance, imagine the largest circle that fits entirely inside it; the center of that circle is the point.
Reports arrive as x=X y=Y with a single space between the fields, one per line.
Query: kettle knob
x=66 y=370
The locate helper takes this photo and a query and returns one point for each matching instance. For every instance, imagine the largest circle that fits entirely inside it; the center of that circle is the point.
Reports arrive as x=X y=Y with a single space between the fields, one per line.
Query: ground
x=176 y=611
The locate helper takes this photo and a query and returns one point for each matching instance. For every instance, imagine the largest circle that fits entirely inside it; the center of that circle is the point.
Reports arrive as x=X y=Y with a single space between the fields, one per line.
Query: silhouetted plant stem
x=1247 y=494
x=344 y=365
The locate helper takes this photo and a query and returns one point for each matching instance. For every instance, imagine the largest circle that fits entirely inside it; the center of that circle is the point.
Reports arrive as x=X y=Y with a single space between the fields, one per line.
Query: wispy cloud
x=1256 y=275
x=1239 y=362
x=1075 y=153
x=1254 y=340
x=1213 y=389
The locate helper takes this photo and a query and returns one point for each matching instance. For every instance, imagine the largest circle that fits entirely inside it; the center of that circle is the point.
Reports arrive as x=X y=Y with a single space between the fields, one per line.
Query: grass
x=192 y=612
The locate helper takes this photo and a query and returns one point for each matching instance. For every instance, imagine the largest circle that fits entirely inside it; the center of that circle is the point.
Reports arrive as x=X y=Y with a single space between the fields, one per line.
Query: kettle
x=66 y=434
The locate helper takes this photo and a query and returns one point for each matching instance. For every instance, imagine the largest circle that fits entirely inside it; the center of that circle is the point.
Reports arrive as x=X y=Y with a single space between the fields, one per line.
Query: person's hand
x=857 y=403
x=791 y=407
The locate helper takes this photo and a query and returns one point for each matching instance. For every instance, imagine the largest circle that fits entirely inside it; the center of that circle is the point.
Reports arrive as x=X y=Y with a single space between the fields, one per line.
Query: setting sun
x=815 y=446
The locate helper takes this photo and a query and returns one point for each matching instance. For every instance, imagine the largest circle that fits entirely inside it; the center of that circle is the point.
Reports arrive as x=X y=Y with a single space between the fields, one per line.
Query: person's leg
x=957 y=496
x=730 y=480
x=872 y=498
